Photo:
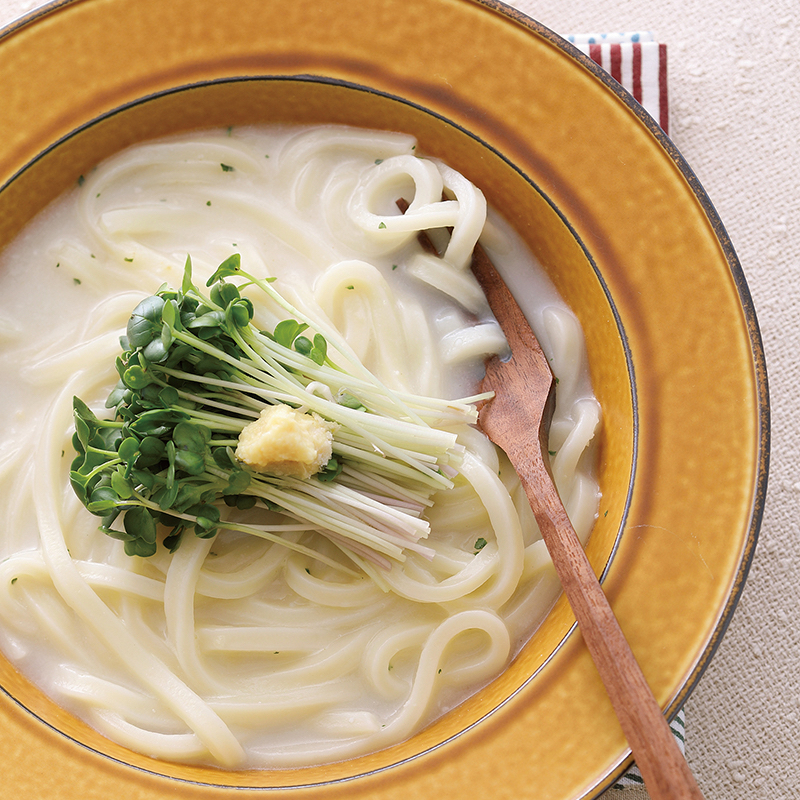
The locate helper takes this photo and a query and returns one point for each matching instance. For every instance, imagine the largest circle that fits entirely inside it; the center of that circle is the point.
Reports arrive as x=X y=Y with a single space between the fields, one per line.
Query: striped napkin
x=639 y=63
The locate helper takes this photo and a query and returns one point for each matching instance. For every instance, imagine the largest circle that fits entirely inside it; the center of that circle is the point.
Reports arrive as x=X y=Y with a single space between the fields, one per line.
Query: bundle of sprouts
x=195 y=372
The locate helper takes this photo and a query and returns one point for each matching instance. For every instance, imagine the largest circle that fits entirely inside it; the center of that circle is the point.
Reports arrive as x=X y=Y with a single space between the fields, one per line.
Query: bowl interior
x=309 y=101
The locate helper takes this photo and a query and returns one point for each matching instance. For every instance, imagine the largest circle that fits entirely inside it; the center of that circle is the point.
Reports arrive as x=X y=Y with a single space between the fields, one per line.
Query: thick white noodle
x=236 y=651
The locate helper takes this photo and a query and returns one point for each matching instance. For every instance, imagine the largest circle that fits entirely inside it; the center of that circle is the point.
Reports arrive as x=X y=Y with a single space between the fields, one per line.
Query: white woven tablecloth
x=734 y=88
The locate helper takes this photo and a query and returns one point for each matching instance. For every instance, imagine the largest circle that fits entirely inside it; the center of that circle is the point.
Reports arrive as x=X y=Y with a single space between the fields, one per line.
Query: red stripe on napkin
x=616 y=62
x=637 y=72
x=662 y=88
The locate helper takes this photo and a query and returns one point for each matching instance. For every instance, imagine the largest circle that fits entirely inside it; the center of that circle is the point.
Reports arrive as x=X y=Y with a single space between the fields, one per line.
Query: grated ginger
x=284 y=441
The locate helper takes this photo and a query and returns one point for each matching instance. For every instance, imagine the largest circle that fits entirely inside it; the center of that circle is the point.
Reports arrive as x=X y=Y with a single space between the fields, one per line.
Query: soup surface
x=235 y=649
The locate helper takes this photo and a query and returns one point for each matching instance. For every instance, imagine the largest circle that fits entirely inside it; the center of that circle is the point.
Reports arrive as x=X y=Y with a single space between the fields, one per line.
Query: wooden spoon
x=517 y=420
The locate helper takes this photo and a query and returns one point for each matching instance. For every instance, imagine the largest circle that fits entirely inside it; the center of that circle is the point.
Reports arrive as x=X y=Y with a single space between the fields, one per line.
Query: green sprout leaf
x=145 y=324
x=350 y=401
x=316 y=350
x=228 y=268
x=191 y=447
x=186 y=285
x=287 y=331
x=223 y=293
x=331 y=470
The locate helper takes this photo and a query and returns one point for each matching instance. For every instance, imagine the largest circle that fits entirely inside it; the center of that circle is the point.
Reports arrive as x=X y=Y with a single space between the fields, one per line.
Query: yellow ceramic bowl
x=629 y=238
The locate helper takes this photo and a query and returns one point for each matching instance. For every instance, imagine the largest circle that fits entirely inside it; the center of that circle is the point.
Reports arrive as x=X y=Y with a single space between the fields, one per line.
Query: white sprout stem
x=267 y=532
x=326 y=518
x=398 y=492
x=393 y=469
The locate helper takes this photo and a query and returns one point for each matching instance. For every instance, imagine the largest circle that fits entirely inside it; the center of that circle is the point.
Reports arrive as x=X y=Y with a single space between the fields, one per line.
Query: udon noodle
x=233 y=650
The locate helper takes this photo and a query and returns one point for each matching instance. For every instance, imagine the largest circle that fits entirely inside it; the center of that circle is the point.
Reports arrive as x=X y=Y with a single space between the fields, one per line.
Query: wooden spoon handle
x=666 y=774
x=516 y=421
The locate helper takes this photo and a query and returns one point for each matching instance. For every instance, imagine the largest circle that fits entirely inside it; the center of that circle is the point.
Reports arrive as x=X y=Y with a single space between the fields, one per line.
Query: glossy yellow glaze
x=615 y=217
